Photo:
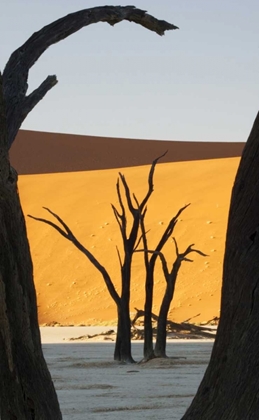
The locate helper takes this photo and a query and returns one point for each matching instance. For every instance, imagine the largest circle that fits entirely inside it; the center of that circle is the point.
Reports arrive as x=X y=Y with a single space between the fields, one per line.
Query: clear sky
x=197 y=83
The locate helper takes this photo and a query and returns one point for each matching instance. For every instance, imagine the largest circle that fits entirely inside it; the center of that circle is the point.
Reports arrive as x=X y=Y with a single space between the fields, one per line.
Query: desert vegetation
x=131 y=243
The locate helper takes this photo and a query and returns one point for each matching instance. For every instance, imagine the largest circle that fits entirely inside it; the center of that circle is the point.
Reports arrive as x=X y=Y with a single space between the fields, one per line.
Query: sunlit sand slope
x=71 y=291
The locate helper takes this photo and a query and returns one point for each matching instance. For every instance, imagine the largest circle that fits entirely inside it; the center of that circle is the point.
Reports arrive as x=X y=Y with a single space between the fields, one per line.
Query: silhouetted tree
x=123 y=340
x=170 y=278
x=26 y=389
x=149 y=282
x=230 y=387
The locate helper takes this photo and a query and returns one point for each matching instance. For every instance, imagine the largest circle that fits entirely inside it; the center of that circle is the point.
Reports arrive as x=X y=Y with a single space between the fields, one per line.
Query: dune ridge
x=35 y=152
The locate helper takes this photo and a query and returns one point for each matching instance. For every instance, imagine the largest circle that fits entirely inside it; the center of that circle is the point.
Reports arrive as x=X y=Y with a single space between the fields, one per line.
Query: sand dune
x=71 y=291
x=37 y=152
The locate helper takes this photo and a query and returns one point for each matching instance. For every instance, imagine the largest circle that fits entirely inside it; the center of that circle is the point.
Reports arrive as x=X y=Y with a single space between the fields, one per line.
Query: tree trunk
x=148 y=328
x=122 y=352
x=26 y=388
x=162 y=321
x=230 y=387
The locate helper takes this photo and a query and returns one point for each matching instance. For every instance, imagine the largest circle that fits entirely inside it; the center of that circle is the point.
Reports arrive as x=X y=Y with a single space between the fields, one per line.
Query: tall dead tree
x=170 y=278
x=26 y=389
x=230 y=387
x=149 y=282
x=129 y=239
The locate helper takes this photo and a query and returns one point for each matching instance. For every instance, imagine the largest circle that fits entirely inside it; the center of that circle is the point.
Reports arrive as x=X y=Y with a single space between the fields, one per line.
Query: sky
x=198 y=83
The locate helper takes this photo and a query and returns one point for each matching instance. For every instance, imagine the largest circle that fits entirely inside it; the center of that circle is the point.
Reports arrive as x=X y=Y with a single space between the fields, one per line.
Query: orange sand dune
x=71 y=291
x=35 y=152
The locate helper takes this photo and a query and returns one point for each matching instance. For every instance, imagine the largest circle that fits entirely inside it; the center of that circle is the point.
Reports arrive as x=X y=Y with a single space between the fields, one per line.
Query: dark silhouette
x=149 y=282
x=170 y=278
x=130 y=241
x=230 y=387
x=26 y=388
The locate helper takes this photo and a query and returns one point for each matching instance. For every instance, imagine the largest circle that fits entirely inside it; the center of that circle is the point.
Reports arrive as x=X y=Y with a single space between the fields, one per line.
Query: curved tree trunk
x=26 y=388
x=230 y=387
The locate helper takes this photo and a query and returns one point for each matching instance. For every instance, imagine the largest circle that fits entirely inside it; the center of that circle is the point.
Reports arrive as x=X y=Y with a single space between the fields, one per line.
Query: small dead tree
x=149 y=282
x=123 y=340
x=170 y=278
x=26 y=389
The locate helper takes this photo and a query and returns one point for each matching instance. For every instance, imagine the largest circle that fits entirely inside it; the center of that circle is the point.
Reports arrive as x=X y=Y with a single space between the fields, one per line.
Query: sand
x=89 y=383
x=69 y=289
x=35 y=152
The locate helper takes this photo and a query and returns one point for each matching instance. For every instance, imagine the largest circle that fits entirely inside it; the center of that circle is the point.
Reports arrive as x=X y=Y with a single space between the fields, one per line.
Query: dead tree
x=26 y=388
x=123 y=340
x=230 y=387
x=170 y=278
x=149 y=282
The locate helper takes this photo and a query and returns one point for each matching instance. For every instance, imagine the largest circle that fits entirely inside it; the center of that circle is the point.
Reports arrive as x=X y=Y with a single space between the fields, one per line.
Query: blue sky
x=196 y=83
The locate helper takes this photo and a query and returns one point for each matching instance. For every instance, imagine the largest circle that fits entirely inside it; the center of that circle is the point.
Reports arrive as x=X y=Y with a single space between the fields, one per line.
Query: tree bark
x=122 y=352
x=26 y=388
x=160 y=346
x=230 y=387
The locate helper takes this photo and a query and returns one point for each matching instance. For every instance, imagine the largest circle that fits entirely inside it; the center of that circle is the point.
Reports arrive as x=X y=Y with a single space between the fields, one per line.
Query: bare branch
x=127 y=194
x=150 y=181
x=69 y=232
x=120 y=260
x=70 y=236
x=164 y=266
x=16 y=71
x=48 y=222
x=136 y=200
x=190 y=249
x=120 y=198
x=139 y=240
x=36 y=96
x=118 y=218
x=121 y=218
x=144 y=238
x=168 y=232
x=176 y=247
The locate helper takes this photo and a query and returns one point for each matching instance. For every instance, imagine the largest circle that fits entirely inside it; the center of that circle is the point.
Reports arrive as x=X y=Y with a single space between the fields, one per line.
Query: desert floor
x=70 y=291
x=90 y=384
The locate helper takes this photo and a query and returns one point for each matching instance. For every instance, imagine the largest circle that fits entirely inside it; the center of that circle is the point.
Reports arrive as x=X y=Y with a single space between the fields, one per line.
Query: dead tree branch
x=67 y=233
x=15 y=75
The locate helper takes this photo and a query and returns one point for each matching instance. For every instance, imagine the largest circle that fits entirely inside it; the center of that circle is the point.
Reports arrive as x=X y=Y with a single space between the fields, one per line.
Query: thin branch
x=69 y=232
x=150 y=181
x=48 y=222
x=168 y=232
x=118 y=218
x=70 y=236
x=139 y=240
x=127 y=194
x=144 y=239
x=119 y=256
x=120 y=198
x=176 y=247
